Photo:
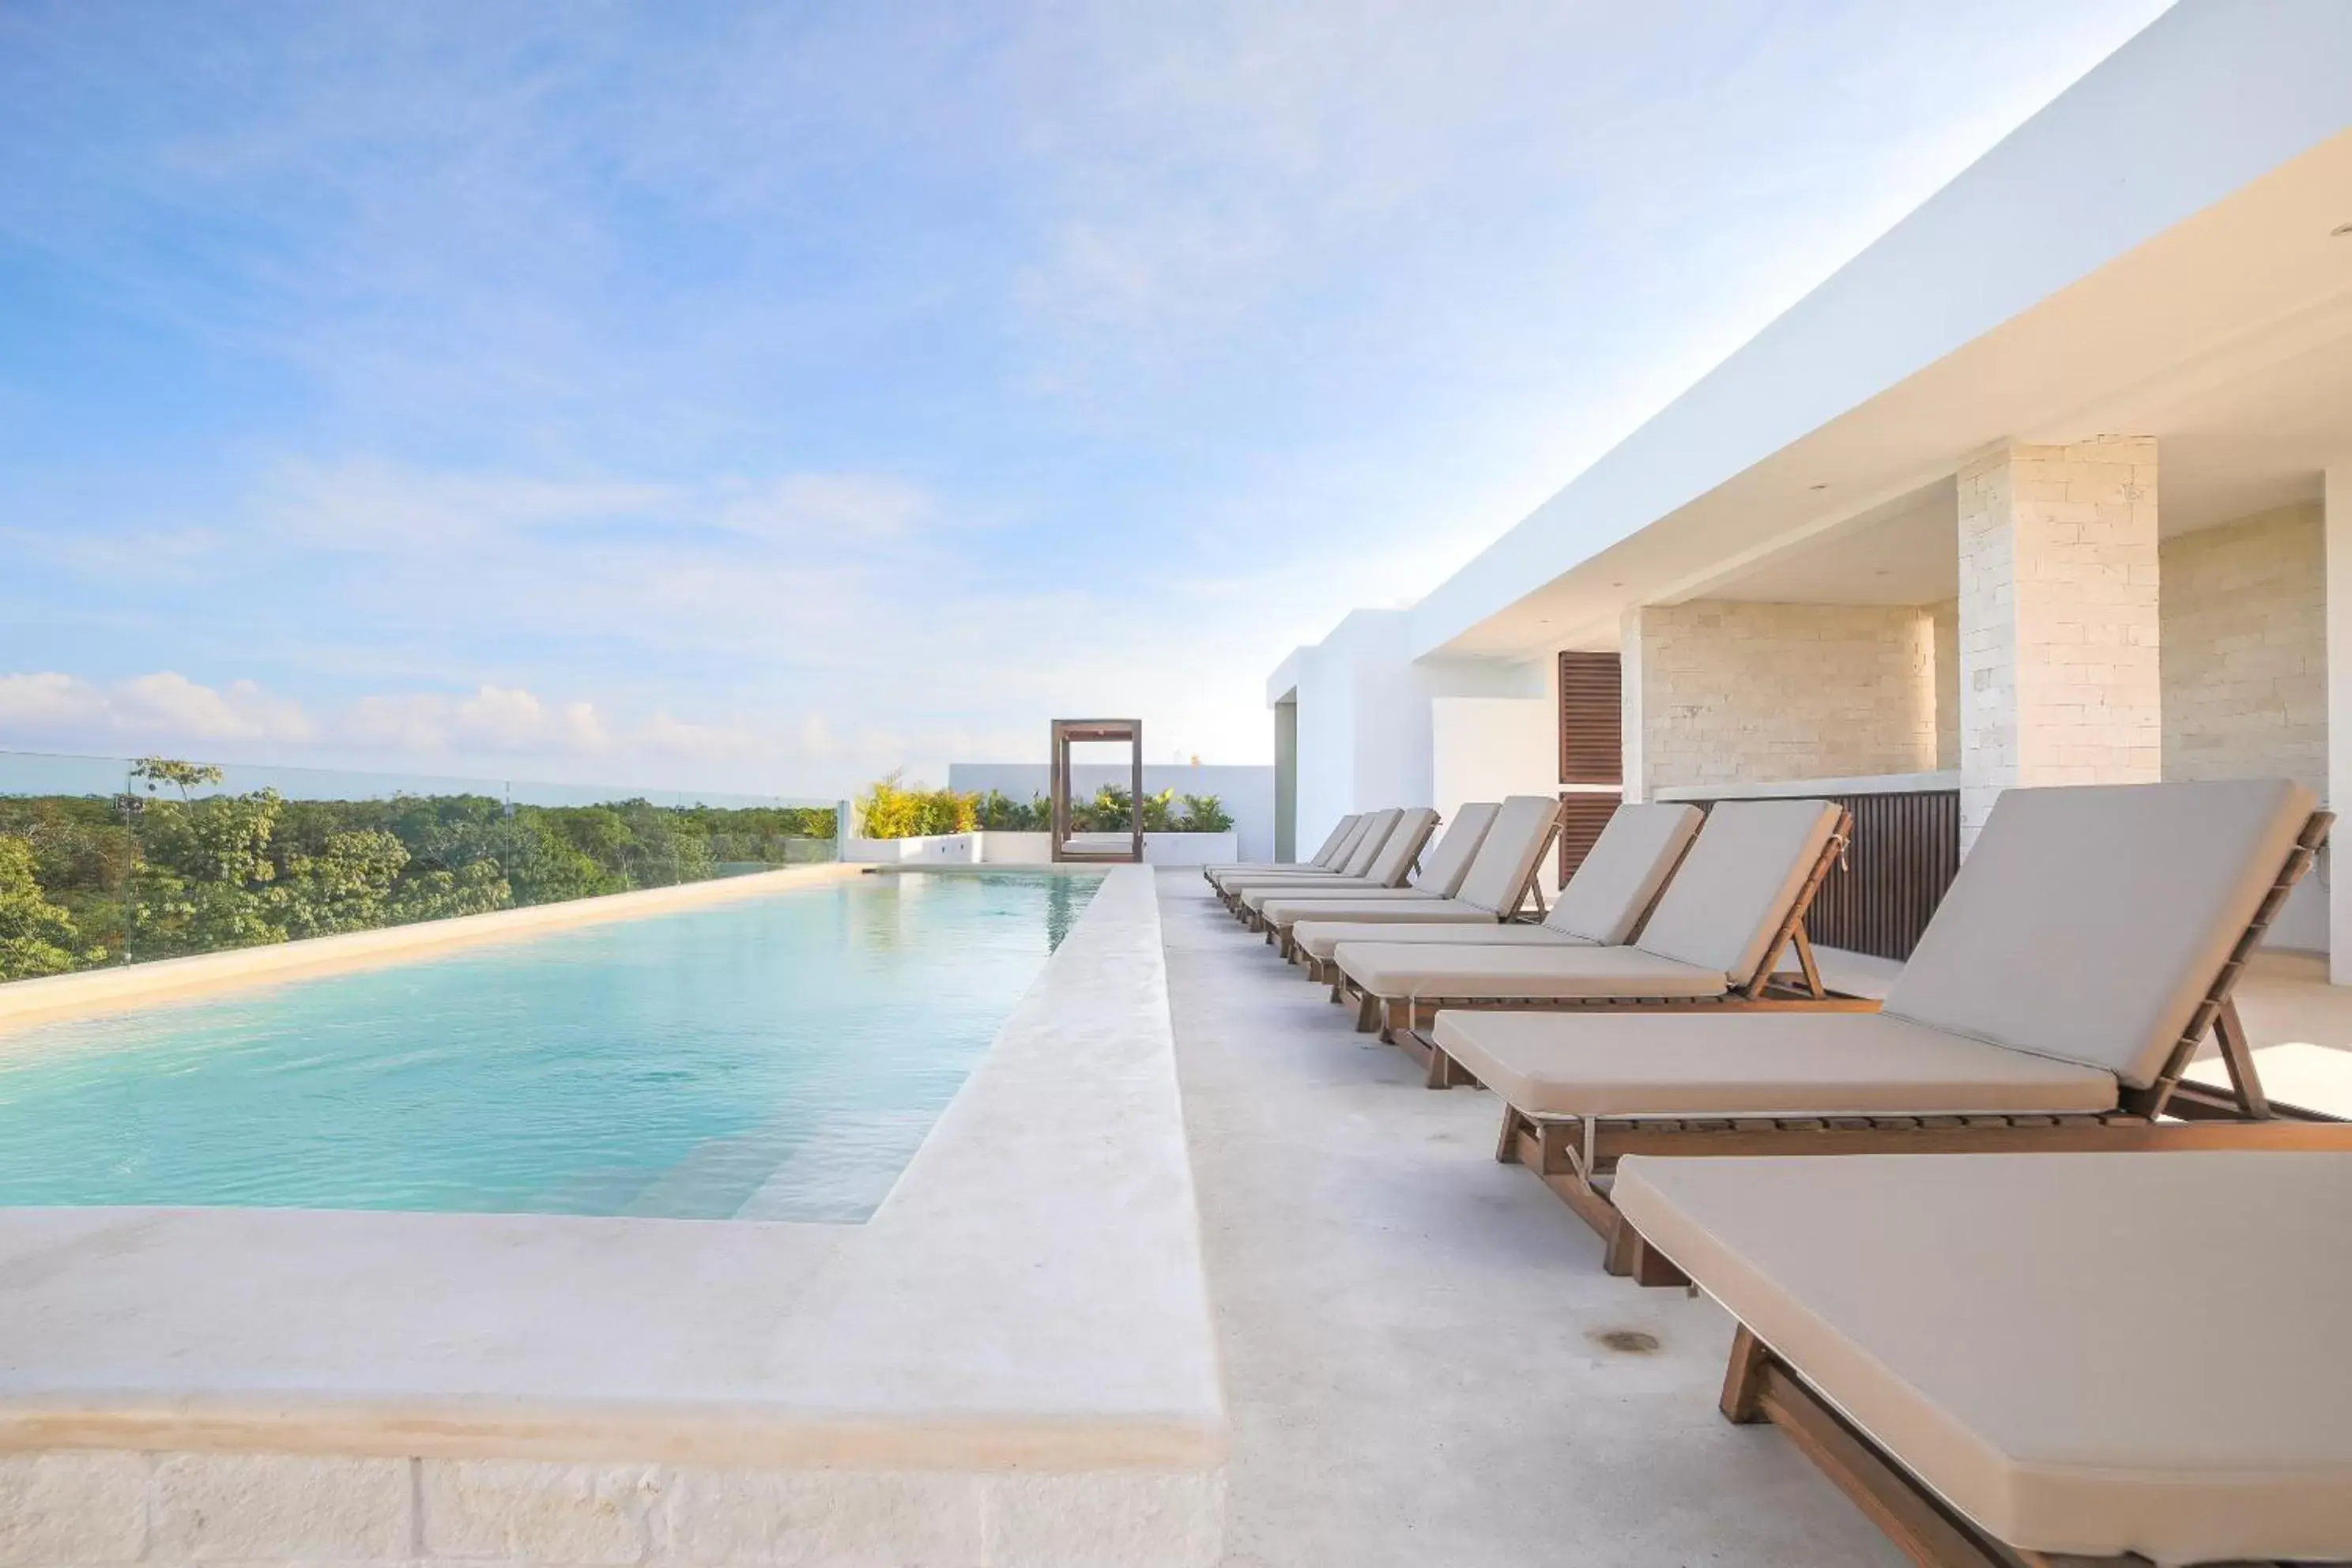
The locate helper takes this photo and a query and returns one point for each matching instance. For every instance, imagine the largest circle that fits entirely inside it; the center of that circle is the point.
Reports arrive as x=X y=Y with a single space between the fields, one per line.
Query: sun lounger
x=1601 y=906
x=1399 y=854
x=2088 y=947
x=2011 y=1359
x=1734 y=906
x=1335 y=849
x=1379 y=827
x=1442 y=872
x=1489 y=888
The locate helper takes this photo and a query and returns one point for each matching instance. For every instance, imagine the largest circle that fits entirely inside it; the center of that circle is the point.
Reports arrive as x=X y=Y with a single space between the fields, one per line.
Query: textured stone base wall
x=2244 y=617
x=101 y=1506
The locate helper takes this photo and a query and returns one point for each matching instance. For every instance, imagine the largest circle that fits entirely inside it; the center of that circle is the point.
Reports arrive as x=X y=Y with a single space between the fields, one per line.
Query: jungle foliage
x=160 y=871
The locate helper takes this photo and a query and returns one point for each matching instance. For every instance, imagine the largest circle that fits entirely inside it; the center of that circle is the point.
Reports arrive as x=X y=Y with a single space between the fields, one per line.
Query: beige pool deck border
x=1016 y=1351
x=24 y=1003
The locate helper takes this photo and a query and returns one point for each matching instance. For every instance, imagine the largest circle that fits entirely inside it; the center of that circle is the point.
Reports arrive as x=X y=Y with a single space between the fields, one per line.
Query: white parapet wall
x=1247 y=791
x=1010 y=849
x=1011 y=1363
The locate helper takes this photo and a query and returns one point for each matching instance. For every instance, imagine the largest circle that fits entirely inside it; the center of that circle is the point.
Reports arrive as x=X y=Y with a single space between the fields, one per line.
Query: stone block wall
x=2244 y=660
x=1944 y=624
x=1732 y=692
x=2058 y=559
x=104 y=1506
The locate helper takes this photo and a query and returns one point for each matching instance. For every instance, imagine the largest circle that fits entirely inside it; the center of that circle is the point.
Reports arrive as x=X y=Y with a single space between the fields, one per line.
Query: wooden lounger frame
x=1760 y=1386
x=1768 y=989
x=1577 y=1157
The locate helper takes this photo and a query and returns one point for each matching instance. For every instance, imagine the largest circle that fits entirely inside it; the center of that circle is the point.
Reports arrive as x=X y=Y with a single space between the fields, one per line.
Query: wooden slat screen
x=1906 y=852
x=1583 y=814
x=1591 y=739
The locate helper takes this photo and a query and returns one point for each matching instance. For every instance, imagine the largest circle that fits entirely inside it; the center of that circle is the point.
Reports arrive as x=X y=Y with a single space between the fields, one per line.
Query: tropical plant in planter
x=1000 y=813
x=1207 y=814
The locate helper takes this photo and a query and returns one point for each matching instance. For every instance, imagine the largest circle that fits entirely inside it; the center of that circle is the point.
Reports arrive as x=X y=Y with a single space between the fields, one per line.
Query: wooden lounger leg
x=1743 y=1381
x=1631 y=1256
x=1758 y=1386
x=1368 y=1012
x=1506 y=1147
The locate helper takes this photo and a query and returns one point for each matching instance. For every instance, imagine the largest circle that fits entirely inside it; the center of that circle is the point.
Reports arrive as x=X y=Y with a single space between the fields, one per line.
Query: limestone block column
x=2059 y=682
x=1634 y=754
x=2337 y=865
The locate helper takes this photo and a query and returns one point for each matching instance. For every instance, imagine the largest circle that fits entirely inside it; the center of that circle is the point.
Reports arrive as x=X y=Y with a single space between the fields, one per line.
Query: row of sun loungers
x=2059 y=1301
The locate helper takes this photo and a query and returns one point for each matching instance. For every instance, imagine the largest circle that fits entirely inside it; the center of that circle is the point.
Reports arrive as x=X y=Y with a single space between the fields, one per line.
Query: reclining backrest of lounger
x=1394 y=862
x=1378 y=828
x=1332 y=847
x=1620 y=876
x=1732 y=890
x=1441 y=872
x=2088 y=922
x=1359 y=825
x=1499 y=874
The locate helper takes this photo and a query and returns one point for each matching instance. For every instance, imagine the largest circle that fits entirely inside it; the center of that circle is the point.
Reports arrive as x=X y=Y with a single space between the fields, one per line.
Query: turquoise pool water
x=779 y=1058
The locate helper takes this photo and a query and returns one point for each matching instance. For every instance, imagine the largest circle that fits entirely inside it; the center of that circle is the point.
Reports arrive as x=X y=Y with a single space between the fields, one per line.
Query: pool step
x=840 y=1174
x=837 y=1174
x=715 y=1177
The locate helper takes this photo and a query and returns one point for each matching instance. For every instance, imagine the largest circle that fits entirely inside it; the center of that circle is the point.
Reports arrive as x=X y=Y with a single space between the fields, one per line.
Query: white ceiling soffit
x=2151 y=254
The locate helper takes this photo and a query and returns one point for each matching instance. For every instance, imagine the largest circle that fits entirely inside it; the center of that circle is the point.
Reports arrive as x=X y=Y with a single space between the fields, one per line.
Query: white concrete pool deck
x=1416 y=1366
x=1011 y=1362
x=1416 y=1339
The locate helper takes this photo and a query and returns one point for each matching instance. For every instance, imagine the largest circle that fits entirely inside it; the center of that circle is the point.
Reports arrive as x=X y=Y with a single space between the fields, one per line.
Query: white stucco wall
x=1367 y=716
x=1485 y=748
x=1247 y=792
x=2161 y=130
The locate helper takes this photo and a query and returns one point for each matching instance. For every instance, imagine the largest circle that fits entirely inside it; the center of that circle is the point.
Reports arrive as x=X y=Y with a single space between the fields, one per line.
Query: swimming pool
x=777 y=1058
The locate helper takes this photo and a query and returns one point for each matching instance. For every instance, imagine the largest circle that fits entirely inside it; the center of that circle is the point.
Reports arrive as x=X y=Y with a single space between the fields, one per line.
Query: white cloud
x=163 y=705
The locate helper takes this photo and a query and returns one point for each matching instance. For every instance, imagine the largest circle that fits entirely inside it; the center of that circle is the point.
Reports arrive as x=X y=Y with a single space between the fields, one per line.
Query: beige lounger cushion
x=1378 y=828
x=1295 y=898
x=1321 y=938
x=1621 y=873
x=1443 y=869
x=1386 y=906
x=1254 y=890
x=1754 y=1064
x=1389 y=867
x=1393 y=864
x=1498 y=877
x=1561 y=970
x=1338 y=836
x=1333 y=848
x=2087 y=923
x=1733 y=890
x=2084 y=1353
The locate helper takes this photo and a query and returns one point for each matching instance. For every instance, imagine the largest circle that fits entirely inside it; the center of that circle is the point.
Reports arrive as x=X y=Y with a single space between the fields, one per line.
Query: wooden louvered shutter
x=1591 y=741
x=1591 y=751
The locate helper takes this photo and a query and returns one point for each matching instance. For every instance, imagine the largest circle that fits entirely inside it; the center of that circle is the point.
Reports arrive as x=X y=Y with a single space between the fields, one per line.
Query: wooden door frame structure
x=1071 y=732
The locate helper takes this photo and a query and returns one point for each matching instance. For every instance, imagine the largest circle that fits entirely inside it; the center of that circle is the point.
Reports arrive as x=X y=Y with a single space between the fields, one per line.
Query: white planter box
x=1037 y=848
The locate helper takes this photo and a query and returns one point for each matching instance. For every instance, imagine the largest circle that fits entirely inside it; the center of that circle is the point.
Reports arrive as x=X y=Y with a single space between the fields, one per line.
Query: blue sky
x=764 y=397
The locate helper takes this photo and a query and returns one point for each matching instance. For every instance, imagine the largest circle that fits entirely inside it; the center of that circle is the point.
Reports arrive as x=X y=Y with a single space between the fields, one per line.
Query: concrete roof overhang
x=2154 y=253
